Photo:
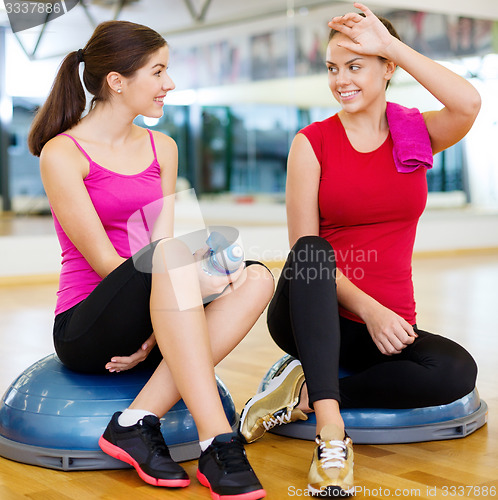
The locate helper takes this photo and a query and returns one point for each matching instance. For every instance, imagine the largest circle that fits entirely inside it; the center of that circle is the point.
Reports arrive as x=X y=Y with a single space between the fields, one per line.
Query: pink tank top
x=116 y=197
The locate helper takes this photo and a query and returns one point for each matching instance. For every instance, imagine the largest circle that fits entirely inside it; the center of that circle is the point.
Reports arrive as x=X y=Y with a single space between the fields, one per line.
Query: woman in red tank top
x=345 y=294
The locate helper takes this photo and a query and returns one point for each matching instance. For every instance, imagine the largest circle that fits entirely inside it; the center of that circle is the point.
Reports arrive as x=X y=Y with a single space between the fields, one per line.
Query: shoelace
x=277 y=419
x=232 y=455
x=333 y=457
x=153 y=435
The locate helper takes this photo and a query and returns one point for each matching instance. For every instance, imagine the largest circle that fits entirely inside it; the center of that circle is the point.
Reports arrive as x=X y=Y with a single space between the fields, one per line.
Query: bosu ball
x=53 y=417
x=387 y=426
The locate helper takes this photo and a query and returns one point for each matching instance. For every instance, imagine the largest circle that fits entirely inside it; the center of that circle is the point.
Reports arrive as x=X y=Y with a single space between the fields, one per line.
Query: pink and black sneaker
x=225 y=470
x=142 y=446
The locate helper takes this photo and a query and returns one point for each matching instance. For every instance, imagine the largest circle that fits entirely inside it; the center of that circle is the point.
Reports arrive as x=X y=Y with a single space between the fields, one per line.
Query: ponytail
x=63 y=107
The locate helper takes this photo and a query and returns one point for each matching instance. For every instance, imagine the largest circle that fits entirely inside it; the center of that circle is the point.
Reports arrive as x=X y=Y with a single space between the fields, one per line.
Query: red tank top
x=369 y=214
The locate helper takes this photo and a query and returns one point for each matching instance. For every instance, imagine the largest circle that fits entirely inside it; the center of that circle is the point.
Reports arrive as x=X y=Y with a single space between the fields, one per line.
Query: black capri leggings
x=114 y=320
x=303 y=320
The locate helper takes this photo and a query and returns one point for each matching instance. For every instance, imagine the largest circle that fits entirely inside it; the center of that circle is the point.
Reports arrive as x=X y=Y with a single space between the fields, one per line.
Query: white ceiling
x=184 y=17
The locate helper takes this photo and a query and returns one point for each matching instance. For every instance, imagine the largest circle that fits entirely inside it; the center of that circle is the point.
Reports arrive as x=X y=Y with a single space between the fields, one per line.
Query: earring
x=119 y=91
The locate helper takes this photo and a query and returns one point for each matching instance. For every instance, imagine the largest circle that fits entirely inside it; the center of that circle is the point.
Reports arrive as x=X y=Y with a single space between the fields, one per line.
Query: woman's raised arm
x=460 y=99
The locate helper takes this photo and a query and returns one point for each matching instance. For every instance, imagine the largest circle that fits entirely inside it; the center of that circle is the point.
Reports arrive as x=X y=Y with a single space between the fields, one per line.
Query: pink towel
x=411 y=142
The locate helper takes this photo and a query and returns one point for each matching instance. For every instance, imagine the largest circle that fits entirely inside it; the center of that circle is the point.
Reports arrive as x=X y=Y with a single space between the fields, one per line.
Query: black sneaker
x=142 y=446
x=225 y=470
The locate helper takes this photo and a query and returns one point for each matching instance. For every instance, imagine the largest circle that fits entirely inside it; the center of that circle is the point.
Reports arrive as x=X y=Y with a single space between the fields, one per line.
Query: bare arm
x=63 y=169
x=301 y=192
x=167 y=155
x=390 y=332
x=460 y=99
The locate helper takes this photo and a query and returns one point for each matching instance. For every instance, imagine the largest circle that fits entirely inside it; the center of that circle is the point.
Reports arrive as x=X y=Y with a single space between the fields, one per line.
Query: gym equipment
x=53 y=417
x=387 y=426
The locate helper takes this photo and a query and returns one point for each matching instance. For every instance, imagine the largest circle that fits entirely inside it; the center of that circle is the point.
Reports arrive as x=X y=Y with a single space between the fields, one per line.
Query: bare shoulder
x=61 y=153
x=58 y=145
x=165 y=146
x=302 y=141
x=302 y=152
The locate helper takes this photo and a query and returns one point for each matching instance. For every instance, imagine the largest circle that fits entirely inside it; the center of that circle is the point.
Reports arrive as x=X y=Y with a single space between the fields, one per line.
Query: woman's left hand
x=368 y=35
x=122 y=363
x=389 y=331
x=217 y=283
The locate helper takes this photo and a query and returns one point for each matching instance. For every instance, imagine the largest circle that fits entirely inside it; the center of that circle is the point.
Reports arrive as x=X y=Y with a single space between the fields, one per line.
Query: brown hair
x=386 y=23
x=119 y=46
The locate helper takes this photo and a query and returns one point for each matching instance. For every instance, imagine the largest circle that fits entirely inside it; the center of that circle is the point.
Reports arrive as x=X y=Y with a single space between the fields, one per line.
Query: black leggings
x=303 y=320
x=114 y=320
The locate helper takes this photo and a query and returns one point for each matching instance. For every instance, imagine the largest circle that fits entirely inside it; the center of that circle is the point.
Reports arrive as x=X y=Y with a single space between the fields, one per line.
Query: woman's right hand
x=123 y=363
x=389 y=331
x=367 y=34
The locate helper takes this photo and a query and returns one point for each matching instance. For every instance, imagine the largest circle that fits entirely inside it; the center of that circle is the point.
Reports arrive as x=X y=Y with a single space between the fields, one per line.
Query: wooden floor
x=457 y=296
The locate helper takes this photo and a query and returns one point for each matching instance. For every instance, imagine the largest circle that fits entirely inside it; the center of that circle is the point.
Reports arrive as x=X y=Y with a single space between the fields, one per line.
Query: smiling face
x=356 y=80
x=144 y=92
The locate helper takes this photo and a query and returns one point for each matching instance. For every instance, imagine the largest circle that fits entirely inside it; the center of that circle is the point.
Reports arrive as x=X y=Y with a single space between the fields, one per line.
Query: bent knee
x=312 y=241
x=262 y=278
x=463 y=378
x=457 y=371
x=171 y=253
x=312 y=251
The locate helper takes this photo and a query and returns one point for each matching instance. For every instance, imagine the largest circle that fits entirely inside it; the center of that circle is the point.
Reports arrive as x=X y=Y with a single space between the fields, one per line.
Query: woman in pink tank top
x=116 y=308
x=356 y=187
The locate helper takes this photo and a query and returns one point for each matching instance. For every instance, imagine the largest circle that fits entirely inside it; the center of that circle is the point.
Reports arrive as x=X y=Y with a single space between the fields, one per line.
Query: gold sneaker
x=276 y=405
x=332 y=465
